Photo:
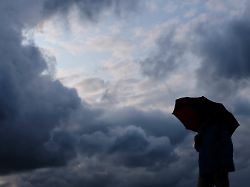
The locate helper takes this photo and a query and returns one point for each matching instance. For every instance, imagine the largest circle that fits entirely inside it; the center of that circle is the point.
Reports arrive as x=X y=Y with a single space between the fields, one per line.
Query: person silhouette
x=214 y=145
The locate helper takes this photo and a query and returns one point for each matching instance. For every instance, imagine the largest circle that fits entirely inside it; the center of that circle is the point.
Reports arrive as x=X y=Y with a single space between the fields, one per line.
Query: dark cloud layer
x=222 y=47
x=32 y=105
x=119 y=148
x=90 y=10
x=34 y=108
x=167 y=56
x=225 y=51
x=124 y=152
x=44 y=124
x=127 y=136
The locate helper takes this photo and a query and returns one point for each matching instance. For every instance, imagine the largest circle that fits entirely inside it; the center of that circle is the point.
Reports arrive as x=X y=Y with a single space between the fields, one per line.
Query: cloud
x=44 y=124
x=225 y=51
x=166 y=58
x=216 y=48
x=89 y=10
x=36 y=112
x=223 y=48
x=32 y=104
x=125 y=147
x=34 y=107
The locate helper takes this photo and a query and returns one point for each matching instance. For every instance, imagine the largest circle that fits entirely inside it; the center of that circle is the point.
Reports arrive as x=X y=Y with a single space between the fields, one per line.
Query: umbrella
x=192 y=111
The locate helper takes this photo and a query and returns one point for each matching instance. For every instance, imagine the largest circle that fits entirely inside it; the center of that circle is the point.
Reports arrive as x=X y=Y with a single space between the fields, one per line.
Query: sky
x=88 y=88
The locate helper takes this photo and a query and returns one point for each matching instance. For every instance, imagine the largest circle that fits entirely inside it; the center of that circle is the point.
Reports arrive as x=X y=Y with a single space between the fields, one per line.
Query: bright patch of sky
x=85 y=46
x=108 y=51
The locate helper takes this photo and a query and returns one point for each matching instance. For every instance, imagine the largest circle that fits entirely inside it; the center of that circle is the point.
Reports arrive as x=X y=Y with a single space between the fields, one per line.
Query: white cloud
x=152 y=5
x=118 y=46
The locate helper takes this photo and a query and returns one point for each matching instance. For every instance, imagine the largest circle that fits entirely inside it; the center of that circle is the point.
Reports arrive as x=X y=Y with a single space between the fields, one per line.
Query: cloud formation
x=89 y=10
x=35 y=111
x=224 y=52
x=44 y=124
x=220 y=47
x=122 y=148
x=34 y=107
x=32 y=104
x=167 y=57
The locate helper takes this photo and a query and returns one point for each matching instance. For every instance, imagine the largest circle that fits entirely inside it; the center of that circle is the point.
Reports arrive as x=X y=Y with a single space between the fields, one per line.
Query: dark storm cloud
x=110 y=130
x=95 y=173
x=44 y=124
x=242 y=106
x=124 y=153
x=90 y=10
x=223 y=48
x=134 y=149
x=168 y=55
x=163 y=124
x=32 y=105
x=121 y=147
x=226 y=51
x=133 y=138
x=128 y=146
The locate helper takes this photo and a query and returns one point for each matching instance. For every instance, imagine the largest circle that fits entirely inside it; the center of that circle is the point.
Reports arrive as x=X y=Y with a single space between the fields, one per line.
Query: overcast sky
x=87 y=89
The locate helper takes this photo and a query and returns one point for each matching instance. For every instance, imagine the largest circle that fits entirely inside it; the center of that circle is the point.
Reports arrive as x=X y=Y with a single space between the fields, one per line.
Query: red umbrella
x=191 y=111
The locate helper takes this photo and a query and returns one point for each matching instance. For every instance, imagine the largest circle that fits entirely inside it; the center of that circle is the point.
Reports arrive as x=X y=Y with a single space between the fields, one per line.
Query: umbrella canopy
x=192 y=111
